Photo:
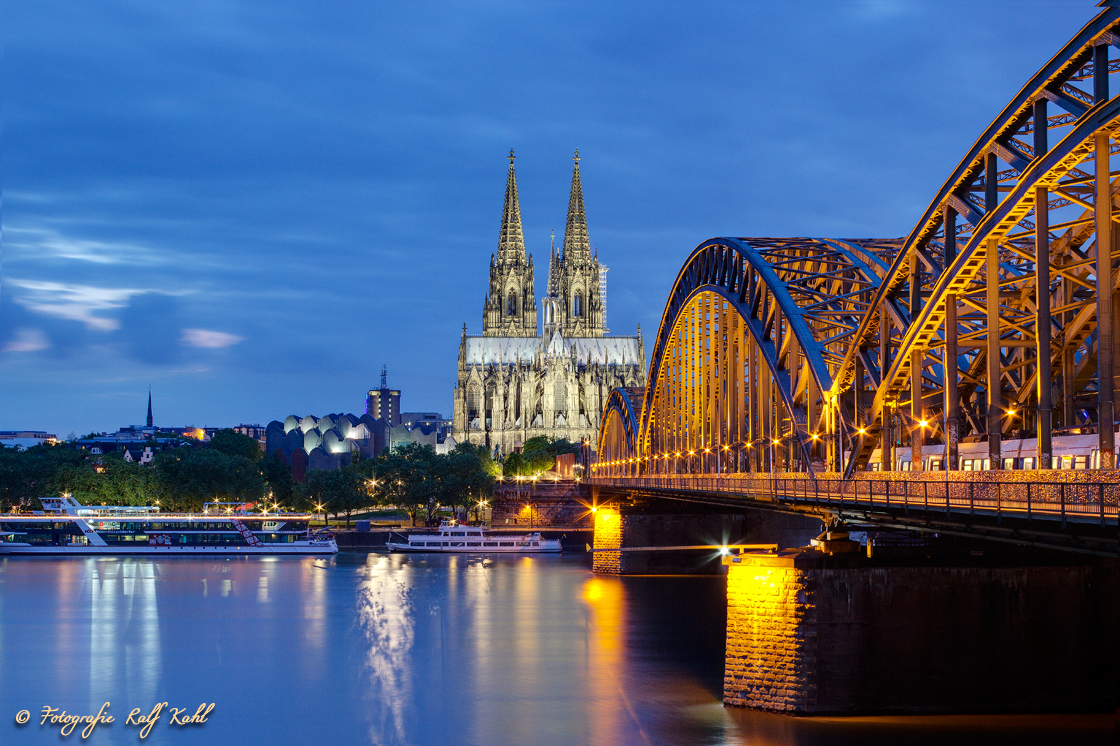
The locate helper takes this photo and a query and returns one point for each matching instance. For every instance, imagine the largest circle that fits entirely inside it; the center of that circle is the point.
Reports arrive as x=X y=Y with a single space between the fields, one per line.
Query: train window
x=1009 y=463
x=905 y=466
x=1080 y=462
x=1055 y=462
x=966 y=464
x=875 y=467
x=987 y=464
x=1067 y=462
x=1028 y=463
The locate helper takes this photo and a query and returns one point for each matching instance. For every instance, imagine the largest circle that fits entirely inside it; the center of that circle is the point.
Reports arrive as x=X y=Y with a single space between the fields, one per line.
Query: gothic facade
x=518 y=379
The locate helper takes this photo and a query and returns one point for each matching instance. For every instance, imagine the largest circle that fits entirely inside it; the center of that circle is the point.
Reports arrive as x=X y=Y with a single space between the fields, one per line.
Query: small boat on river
x=454 y=537
x=65 y=526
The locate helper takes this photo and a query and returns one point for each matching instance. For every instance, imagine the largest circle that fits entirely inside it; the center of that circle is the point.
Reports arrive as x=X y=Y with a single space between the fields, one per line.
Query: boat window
x=433 y=543
x=475 y=534
x=446 y=543
x=491 y=543
x=457 y=533
x=537 y=545
x=505 y=543
x=522 y=543
x=473 y=543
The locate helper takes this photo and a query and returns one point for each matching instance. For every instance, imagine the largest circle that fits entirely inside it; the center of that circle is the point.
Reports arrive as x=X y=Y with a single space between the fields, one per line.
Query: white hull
x=11 y=548
x=552 y=548
x=455 y=538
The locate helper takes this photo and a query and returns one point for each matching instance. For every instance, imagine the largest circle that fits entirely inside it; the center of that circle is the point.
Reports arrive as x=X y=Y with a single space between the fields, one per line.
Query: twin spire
x=512 y=238
x=575 y=234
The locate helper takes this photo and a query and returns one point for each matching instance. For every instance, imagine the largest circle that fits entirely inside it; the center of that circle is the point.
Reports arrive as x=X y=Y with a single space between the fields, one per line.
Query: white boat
x=453 y=537
x=66 y=527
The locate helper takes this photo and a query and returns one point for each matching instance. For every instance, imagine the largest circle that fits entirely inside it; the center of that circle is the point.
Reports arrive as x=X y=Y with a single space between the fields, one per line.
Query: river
x=390 y=649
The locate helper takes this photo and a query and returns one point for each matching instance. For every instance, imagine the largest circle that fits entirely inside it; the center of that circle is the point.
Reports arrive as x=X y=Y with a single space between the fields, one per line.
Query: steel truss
x=802 y=354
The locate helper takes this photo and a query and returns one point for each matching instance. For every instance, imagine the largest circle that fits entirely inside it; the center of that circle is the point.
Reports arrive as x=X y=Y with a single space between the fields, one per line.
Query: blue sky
x=251 y=207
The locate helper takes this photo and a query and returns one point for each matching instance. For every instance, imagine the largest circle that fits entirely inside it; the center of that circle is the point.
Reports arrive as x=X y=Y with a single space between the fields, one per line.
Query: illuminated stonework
x=515 y=382
x=771 y=636
x=608 y=535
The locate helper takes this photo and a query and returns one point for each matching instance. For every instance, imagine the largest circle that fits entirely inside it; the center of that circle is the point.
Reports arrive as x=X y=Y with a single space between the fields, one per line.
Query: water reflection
x=398 y=649
x=124 y=630
x=605 y=597
x=387 y=617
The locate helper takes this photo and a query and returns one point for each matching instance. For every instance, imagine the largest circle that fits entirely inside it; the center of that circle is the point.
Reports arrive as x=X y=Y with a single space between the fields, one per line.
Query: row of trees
x=231 y=468
x=537 y=455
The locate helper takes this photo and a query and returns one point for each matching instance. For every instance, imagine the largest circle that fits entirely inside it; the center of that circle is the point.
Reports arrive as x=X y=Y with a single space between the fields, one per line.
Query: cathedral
x=520 y=378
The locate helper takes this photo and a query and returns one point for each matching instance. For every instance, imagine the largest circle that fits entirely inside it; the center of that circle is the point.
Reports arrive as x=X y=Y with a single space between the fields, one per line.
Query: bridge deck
x=1072 y=514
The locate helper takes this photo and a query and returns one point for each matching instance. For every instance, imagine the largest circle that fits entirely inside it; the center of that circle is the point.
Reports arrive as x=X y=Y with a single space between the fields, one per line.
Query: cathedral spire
x=512 y=240
x=149 y=406
x=575 y=235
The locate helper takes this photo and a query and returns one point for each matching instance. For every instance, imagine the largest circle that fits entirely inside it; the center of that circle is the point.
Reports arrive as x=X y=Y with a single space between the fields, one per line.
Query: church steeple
x=149 y=406
x=510 y=308
x=575 y=234
x=511 y=243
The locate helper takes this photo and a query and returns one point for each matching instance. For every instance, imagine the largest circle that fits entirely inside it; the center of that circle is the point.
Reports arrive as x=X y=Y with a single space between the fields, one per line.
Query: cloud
x=26 y=340
x=208 y=338
x=45 y=242
x=73 y=302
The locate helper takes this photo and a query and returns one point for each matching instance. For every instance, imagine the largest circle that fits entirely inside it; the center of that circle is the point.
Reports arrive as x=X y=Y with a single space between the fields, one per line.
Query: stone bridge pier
x=809 y=633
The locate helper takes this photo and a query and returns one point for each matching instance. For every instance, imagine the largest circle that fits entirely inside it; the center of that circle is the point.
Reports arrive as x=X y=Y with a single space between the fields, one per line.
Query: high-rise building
x=517 y=381
x=384 y=403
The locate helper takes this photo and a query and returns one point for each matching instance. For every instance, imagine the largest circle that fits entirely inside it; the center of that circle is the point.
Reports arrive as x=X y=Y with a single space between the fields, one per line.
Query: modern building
x=328 y=442
x=518 y=379
x=384 y=403
x=22 y=439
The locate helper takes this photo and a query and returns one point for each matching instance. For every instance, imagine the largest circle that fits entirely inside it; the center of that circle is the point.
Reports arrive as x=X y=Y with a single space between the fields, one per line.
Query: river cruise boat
x=453 y=537
x=64 y=526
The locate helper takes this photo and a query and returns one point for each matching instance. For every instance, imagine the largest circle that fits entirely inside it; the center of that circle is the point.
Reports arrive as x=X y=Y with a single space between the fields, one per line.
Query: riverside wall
x=811 y=634
x=561 y=503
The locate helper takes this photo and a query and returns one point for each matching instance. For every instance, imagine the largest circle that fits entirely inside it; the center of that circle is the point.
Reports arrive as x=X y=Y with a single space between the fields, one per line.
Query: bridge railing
x=1074 y=500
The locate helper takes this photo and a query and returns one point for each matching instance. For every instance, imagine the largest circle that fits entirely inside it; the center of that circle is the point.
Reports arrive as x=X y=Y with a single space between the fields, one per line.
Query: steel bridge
x=988 y=331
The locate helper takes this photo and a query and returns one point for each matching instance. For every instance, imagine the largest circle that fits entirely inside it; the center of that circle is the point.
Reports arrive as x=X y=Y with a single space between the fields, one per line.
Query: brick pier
x=811 y=634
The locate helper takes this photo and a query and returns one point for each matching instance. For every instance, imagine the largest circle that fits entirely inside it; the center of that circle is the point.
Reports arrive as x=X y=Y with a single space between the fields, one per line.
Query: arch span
x=984 y=324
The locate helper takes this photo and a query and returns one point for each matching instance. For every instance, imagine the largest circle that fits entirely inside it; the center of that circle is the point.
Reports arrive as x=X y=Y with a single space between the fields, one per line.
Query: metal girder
x=850 y=338
x=798 y=300
x=618 y=434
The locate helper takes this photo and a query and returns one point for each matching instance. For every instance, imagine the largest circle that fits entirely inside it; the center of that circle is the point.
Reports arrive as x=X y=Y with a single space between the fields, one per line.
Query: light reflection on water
x=391 y=649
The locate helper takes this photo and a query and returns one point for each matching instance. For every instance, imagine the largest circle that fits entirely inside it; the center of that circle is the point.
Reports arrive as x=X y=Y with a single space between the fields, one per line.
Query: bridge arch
x=983 y=323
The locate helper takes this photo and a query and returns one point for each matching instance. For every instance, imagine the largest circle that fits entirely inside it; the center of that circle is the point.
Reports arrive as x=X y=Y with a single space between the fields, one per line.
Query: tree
x=233 y=443
x=32 y=473
x=192 y=476
x=406 y=478
x=339 y=490
x=468 y=475
x=278 y=475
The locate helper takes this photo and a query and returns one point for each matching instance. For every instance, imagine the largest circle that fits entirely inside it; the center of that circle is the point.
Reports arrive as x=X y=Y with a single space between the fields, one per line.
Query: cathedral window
x=474 y=402
x=577 y=305
x=511 y=308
